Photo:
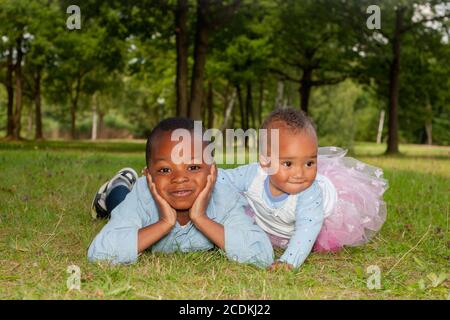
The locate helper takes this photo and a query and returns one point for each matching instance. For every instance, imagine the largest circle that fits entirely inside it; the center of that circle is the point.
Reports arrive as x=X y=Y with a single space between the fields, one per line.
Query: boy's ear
x=145 y=171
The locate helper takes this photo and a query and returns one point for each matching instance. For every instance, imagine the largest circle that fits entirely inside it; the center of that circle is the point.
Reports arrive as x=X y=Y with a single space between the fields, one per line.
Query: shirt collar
x=269 y=194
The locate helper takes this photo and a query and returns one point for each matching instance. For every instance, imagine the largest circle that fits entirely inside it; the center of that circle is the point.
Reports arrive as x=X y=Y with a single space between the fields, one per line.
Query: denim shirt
x=245 y=242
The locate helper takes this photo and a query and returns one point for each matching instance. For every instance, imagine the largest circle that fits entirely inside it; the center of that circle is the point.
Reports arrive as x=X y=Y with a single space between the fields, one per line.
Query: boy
x=175 y=207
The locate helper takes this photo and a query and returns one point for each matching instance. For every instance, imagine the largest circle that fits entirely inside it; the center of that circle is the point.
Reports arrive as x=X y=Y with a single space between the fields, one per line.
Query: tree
x=310 y=47
x=211 y=15
x=97 y=47
x=29 y=31
x=380 y=50
x=182 y=44
x=241 y=54
x=424 y=94
x=46 y=27
x=15 y=16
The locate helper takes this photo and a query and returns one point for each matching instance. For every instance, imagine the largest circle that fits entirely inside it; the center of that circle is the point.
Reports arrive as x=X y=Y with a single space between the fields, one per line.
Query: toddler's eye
x=194 y=168
x=309 y=164
x=164 y=170
x=287 y=163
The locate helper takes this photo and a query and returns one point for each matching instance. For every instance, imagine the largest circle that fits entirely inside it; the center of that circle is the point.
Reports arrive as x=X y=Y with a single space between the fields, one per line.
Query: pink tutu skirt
x=359 y=212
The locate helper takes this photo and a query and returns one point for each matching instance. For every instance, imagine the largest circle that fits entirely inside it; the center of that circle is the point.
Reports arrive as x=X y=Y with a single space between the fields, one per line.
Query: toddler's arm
x=240 y=177
x=308 y=222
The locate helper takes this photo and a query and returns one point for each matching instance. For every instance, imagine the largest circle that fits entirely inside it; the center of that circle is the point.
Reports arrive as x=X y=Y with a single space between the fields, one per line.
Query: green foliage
x=122 y=62
x=333 y=111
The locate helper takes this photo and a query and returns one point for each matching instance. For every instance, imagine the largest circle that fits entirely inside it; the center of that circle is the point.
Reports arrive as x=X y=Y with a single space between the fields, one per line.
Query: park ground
x=46 y=190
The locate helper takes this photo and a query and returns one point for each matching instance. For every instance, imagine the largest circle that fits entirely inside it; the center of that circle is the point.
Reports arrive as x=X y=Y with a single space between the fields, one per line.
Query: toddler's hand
x=279 y=265
x=198 y=209
x=167 y=213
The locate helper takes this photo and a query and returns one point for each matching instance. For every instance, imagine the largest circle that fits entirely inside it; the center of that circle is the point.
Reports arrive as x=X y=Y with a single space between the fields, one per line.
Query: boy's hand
x=198 y=209
x=279 y=265
x=167 y=213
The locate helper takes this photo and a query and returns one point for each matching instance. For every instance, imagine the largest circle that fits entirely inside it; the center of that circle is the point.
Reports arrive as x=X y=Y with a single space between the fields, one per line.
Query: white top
x=280 y=221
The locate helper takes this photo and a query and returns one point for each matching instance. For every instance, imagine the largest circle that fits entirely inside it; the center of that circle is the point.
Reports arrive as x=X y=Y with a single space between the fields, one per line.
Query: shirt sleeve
x=240 y=177
x=308 y=222
x=245 y=242
x=117 y=241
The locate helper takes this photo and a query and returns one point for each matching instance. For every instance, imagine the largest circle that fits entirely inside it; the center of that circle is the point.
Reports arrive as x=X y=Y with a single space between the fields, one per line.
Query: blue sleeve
x=240 y=177
x=245 y=241
x=117 y=241
x=308 y=222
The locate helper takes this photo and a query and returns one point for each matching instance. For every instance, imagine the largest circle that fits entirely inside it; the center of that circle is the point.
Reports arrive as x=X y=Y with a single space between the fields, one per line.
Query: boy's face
x=178 y=184
x=297 y=162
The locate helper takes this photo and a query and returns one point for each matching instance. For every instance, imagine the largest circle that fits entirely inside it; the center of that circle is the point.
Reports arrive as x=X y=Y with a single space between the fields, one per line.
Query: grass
x=45 y=226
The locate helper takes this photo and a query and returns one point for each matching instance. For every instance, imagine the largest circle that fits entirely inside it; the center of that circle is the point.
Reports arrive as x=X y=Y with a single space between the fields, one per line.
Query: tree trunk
x=225 y=99
x=228 y=112
x=73 y=110
x=10 y=92
x=201 y=44
x=101 y=124
x=37 y=102
x=260 y=102
x=73 y=123
x=181 y=36
x=429 y=123
x=394 y=85
x=429 y=131
x=249 y=106
x=18 y=93
x=205 y=109
x=305 y=89
x=241 y=106
x=380 y=127
x=210 y=105
x=280 y=94
x=94 y=133
x=30 y=121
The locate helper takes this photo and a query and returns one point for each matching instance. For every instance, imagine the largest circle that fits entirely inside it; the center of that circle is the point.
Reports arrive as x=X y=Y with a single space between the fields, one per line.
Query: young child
x=175 y=207
x=299 y=208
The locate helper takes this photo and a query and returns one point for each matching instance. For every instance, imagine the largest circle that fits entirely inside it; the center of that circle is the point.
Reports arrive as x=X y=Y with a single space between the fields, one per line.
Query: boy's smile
x=178 y=184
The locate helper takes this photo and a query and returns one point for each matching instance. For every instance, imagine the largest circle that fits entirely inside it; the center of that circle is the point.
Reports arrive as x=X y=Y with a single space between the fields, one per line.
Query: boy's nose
x=179 y=178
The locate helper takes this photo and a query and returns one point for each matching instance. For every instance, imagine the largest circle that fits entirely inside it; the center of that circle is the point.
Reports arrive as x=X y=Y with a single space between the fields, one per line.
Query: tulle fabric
x=360 y=210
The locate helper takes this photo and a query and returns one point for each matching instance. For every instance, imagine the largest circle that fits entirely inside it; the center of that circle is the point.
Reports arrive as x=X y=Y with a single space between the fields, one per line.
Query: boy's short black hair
x=169 y=124
x=293 y=118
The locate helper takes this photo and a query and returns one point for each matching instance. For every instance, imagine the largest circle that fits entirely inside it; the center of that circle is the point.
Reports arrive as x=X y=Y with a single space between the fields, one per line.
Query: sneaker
x=98 y=207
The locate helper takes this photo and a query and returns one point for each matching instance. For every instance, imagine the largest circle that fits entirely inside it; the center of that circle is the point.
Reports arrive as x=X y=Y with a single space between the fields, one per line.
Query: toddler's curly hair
x=294 y=119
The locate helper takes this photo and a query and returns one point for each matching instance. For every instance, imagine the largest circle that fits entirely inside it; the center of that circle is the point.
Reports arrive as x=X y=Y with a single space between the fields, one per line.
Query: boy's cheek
x=159 y=185
x=201 y=181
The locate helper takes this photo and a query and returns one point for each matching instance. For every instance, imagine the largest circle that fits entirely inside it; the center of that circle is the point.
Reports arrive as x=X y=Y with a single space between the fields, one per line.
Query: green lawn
x=45 y=226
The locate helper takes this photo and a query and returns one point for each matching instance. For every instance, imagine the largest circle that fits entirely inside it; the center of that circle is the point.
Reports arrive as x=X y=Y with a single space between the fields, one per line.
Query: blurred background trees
x=227 y=62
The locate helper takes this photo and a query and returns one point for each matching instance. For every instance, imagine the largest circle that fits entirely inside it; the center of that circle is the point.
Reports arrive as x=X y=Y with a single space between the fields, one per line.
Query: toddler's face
x=297 y=162
x=178 y=184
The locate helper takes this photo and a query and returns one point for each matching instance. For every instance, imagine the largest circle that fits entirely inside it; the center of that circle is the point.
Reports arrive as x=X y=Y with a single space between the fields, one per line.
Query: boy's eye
x=194 y=168
x=164 y=170
x=287 y=163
